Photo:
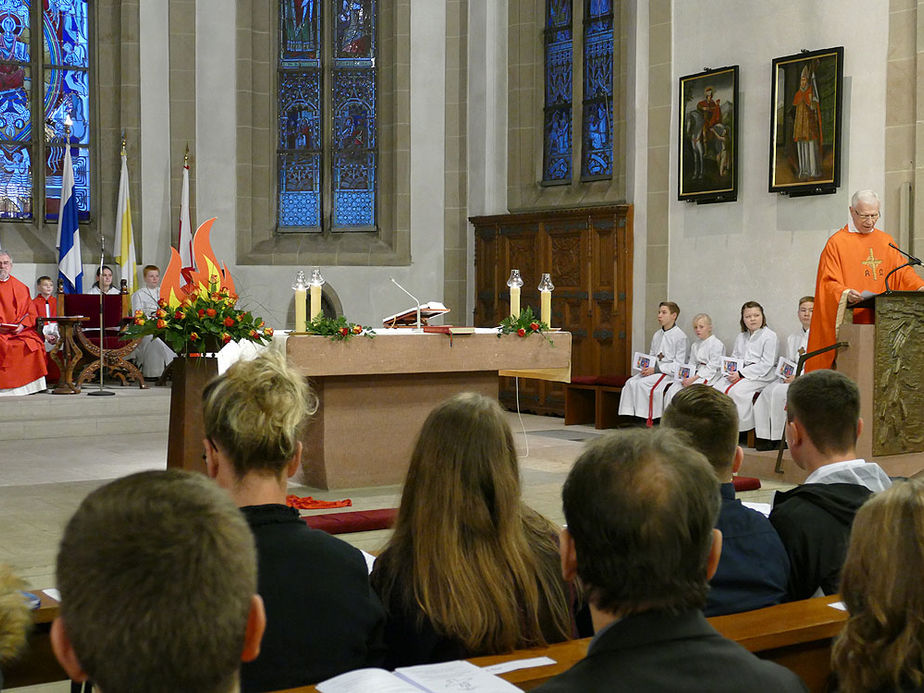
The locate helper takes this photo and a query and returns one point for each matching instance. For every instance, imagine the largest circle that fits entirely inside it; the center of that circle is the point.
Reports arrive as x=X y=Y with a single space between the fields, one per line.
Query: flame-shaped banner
x=173 y=289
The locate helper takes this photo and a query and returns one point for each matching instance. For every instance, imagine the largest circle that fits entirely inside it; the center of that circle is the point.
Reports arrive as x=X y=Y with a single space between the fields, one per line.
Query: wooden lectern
x=886 y=360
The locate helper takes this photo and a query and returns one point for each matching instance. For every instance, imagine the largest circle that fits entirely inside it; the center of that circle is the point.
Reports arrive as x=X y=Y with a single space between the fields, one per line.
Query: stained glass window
x=556 y=161
x=327 y=115
x=32 y=122
x=597 y=112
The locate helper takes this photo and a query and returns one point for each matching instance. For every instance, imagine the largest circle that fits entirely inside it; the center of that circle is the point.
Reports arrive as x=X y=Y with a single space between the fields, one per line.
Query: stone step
x=129 y=411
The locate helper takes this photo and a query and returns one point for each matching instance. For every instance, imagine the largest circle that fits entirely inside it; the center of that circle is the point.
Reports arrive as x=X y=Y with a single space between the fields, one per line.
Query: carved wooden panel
x=898 y=389
x=588 y=252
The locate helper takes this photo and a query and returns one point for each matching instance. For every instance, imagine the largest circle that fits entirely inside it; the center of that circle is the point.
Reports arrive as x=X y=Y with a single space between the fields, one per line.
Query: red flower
x=194 y=336
x=139 y=313
x=261 y=324
x=211 y=312
x=229 y=321
x=161 y=313
x=215 y=297
x=357 y=329
x=139 y=321
x=161 y=324
x=179 y=315
x=254 y=334
x=201 y=312
x=521 y=332
x=162 y=302
x=534 y=326
x=225 y=337
x=268 y=332
x=344 y=331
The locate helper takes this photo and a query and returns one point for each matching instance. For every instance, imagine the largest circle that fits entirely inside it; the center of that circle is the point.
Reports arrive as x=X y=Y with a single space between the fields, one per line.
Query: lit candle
x=301 y=296
x=545 y=299
x=515 y=282
x=315 y=289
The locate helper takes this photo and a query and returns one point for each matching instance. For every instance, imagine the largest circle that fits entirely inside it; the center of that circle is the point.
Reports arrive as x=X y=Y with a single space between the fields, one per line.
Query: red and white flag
x=184 y=244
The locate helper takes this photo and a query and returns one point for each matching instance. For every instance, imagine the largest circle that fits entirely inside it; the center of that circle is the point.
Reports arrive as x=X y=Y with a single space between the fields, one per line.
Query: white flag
x=184 y=243
x=123 y=245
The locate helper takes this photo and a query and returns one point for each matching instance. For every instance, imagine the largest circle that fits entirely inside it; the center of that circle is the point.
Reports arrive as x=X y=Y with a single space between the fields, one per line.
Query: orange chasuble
x=858 y=261
x=22 y=356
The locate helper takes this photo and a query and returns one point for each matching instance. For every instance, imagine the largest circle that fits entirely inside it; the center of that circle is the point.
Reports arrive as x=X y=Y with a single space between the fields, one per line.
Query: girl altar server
x=756 y=347
x=643 y=393
x=705 y=353
x=770 y=407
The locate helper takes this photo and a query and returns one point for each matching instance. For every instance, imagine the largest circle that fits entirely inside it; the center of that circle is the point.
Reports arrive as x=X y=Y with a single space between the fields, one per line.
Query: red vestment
x=45 y=307
x=22 y=356
x=858 y=261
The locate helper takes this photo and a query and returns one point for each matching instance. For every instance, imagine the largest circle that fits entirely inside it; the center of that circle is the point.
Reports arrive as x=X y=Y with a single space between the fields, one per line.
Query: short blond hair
x=255 y=412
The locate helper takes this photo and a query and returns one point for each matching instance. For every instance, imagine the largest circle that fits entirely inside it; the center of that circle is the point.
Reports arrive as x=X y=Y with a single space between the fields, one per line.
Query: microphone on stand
x=102 y=332
x=912 y=260
x=414 y=298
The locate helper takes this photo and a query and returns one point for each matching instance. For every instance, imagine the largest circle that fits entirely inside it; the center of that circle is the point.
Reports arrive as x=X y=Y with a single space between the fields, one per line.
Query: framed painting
x=805 y=122
x=708 y=137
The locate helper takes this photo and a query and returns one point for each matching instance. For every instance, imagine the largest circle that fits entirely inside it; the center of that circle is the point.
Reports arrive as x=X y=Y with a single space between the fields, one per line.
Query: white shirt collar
x=857 y=471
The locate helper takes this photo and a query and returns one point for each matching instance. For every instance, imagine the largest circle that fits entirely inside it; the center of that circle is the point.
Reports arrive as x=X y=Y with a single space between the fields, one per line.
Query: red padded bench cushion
x=355 y=521
x=746 y=483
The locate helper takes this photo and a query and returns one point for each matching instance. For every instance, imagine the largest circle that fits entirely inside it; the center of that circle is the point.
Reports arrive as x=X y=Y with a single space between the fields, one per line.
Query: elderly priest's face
x=865 y=215
x=6 y=266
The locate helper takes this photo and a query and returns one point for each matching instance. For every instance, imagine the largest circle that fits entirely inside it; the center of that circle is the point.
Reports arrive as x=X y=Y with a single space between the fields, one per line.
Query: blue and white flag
x=70 y=267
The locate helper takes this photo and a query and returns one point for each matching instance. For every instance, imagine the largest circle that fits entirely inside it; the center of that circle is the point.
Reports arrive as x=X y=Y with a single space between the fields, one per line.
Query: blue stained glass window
x=597 y=118
x=327 y=132
x=557 y=140
x=64 y=73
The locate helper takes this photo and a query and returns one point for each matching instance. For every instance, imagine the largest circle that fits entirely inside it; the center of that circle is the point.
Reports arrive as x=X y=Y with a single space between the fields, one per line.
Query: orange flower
x=254 y=334
x=357 y=329
x=534 y=326
x=225 y=337
x=162 y=302
x=344 y=331
x=268 y=332
x=211 y=312
x=139 y=321
x=194 y=336
x=261 y=324
x=229 y=321
x=139 y=313
x=201 y=312
x=161 y=324
x=215 y=297
x=161 y=313
x=179 y=315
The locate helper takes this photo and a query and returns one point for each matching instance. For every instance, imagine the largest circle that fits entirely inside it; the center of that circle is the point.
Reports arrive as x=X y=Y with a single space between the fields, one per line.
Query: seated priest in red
x=855 y=259
x=22 y=352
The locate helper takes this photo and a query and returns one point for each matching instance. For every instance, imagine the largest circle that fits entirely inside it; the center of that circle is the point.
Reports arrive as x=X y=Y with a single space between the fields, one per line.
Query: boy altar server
x=643 y=393
x=705 y=353
x=770 y=407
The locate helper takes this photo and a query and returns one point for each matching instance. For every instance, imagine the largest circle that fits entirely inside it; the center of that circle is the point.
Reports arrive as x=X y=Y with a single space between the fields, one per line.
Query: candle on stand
x=545 y=299
x=515 y=282
x=301 y=300
x=316 y=281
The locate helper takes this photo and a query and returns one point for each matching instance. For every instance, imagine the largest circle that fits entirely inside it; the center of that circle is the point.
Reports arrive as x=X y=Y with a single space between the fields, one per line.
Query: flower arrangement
x=338 y=329
x=523 y=325
x=205 y=320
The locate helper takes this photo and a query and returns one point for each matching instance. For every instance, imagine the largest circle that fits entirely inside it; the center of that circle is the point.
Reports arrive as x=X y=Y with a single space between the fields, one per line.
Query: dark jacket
x=659 y=651
x=322 y=618
x=814 y=521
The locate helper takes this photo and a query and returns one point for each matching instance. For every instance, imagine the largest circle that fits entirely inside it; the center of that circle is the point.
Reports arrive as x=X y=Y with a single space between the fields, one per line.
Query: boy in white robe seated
x=642 y=395
x=756 y=348
x=151 y=355
x=705 y=353
x=770 y=407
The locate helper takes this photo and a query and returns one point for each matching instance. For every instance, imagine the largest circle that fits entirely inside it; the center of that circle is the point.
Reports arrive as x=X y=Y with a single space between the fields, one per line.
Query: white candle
x=545 y=307
x=515 y=301
x=315 y=300
x=301 y=297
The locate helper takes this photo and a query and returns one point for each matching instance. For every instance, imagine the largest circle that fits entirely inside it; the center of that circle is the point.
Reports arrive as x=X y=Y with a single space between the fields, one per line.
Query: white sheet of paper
x=53 y=593
x=762 y=508
x=838 y=605
x=449 y=677
x=365 y=680
x=515 y=664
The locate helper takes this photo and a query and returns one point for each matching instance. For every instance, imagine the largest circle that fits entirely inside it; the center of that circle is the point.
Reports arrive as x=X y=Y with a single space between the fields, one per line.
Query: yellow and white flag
x=124 y=243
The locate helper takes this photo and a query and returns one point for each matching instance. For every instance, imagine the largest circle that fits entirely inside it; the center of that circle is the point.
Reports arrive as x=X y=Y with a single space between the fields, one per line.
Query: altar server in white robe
x=770 y=407
x=705 y=353
x=643 y=393
x=757 y=347
x=151 y=355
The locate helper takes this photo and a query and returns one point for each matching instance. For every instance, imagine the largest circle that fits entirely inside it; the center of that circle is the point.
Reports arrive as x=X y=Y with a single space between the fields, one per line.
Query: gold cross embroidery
x=872 y=263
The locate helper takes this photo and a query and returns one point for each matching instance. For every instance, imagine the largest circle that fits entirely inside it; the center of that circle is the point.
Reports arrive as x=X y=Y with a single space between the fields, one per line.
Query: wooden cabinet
x=588 y=252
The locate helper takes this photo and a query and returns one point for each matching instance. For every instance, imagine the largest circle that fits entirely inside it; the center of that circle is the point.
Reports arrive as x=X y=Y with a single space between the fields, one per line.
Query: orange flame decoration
x=172 y=287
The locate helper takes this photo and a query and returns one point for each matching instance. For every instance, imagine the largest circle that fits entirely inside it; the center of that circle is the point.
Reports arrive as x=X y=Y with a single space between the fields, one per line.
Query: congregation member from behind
x=813 y=519
x=322 y=616
x=641 y=507
x=754 y=567
x=158 y=580
x=471 y=569
x=881 y=647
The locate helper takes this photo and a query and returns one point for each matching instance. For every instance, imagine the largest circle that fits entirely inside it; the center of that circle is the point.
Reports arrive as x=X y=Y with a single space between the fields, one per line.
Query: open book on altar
x=409 y=316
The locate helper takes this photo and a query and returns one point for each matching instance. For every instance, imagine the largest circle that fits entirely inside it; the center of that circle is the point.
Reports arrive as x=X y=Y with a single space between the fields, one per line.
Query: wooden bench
x=797 y=635
x=593 y=402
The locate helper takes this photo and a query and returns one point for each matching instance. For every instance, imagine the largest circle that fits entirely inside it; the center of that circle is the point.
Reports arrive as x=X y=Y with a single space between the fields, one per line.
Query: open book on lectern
x=409 y=316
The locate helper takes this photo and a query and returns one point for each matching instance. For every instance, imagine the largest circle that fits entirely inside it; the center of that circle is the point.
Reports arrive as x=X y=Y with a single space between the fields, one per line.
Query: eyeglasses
x=868 y=217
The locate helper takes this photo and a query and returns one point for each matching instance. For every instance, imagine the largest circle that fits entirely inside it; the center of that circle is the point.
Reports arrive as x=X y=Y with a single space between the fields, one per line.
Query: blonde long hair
x=882 y=643
x=478 y=563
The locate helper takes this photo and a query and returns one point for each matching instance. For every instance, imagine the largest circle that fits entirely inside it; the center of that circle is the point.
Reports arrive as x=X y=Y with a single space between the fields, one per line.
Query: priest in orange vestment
x=855 y=259
x=22 y=349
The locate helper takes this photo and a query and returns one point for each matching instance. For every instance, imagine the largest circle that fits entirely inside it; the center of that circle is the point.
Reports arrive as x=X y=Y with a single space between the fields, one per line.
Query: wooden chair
x=115 y=348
